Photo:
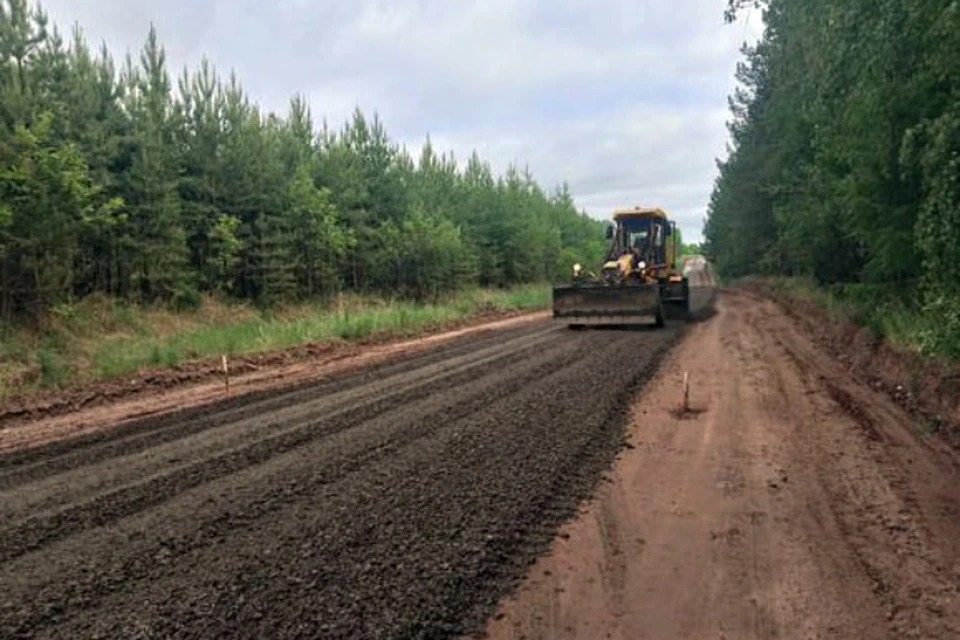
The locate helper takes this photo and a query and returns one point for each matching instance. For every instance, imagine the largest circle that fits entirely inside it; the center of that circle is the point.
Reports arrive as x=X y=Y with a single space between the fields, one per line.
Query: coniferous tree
x=116 y=182
x=156 y=254
x=844 y=145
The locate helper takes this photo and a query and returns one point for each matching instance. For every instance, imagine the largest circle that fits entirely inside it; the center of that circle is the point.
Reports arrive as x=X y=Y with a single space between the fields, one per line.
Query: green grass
x=101 y=339
x=894 y=314
x=930 y=427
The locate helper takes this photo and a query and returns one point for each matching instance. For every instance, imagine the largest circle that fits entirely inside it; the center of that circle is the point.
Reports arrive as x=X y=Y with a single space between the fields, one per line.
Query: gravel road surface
x=401 y=501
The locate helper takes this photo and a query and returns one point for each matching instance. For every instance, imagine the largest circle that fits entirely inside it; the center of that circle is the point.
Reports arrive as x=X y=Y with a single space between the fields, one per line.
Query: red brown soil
x=928 y=389
x=791 y=501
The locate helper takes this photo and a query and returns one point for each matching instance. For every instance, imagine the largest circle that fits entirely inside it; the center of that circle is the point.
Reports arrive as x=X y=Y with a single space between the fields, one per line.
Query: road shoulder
x=91 y=410
x=789 y=502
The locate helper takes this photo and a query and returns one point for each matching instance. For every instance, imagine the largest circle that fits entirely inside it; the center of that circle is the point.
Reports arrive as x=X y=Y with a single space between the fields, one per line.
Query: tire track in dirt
x=888 y=495
x=399 y=501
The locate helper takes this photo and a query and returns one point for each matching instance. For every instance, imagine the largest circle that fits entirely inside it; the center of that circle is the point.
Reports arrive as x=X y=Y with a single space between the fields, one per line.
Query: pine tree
x=116 y=182
x=156 y=254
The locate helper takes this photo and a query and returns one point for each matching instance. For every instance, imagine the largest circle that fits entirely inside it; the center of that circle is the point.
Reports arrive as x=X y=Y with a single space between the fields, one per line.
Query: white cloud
x=641 y=155
x=623 y=99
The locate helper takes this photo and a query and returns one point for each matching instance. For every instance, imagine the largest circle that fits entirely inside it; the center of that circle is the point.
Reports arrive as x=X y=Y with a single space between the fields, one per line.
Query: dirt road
x=789 y=503
x=407 y=498
x=399 y=501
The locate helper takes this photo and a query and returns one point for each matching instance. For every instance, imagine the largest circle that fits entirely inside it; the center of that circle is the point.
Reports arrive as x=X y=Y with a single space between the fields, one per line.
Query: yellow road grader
x=640 y=282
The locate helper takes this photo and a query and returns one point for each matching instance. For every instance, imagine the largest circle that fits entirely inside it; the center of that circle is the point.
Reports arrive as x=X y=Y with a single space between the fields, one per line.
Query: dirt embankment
x=790 y=501
x=400 y=499
x=927 y=389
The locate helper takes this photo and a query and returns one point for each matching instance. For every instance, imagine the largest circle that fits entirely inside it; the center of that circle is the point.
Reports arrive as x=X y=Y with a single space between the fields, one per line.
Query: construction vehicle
x=642 y=280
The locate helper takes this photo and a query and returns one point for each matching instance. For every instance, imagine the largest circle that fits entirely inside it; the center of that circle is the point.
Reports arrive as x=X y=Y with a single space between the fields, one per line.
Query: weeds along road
x=400 y=501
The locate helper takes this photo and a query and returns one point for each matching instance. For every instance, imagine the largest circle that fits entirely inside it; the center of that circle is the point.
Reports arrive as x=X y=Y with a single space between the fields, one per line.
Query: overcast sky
x=623 y=99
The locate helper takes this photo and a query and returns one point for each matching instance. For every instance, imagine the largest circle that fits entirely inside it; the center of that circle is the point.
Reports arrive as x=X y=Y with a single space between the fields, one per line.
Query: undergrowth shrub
x=941 y=332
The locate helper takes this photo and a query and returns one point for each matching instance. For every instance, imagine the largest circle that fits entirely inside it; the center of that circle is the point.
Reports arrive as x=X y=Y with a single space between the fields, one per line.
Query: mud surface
x=789 y=500
x=399 y=501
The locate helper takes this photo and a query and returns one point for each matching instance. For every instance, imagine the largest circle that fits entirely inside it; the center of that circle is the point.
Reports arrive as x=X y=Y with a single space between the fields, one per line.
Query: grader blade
x=604 y=305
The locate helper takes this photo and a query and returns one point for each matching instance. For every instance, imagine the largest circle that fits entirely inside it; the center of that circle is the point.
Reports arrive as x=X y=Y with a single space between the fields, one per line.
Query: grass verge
x=99 y=339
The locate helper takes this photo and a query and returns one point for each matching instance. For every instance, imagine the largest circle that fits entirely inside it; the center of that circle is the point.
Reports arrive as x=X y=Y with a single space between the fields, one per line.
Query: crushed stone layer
x=402 y=500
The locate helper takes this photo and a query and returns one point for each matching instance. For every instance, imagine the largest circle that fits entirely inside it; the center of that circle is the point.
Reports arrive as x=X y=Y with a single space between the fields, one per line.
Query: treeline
x=118 y=179
x=845 y=156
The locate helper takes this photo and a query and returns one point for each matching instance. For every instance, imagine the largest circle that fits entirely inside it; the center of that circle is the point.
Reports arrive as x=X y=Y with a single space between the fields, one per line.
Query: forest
x=137 y=182
x=844 y=159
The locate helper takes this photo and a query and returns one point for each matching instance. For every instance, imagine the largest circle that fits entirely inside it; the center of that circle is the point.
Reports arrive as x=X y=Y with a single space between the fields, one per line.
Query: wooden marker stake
x=226 y=372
